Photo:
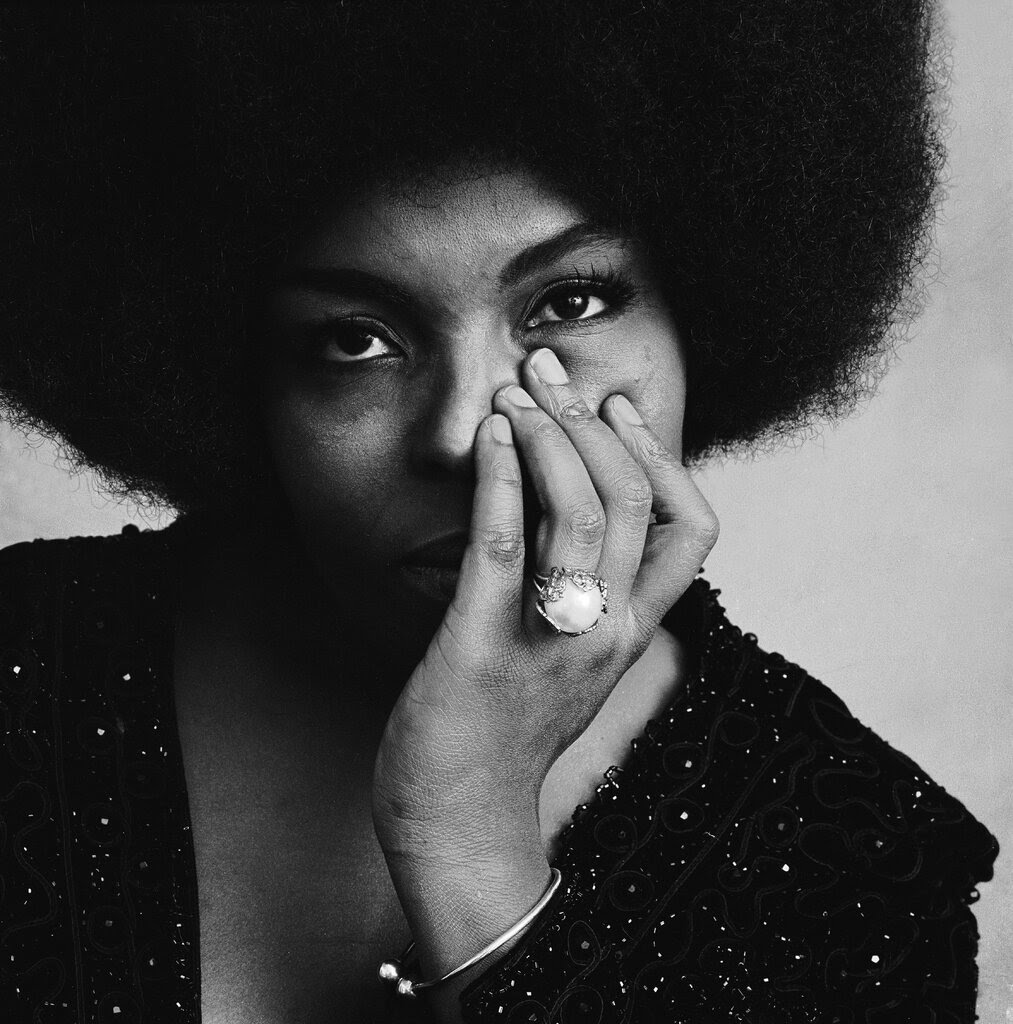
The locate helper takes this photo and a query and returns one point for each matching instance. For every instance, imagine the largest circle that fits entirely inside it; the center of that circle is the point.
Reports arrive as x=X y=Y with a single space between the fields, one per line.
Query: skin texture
x=379 y=462
x=401 y=448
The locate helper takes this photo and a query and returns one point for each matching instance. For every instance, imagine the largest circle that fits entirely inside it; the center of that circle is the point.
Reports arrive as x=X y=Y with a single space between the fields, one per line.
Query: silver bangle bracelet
x=392 y=971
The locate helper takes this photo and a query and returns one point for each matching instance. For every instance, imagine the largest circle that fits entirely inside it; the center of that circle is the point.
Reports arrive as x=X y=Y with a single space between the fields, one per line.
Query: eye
x=349 y=341
x=568 y=304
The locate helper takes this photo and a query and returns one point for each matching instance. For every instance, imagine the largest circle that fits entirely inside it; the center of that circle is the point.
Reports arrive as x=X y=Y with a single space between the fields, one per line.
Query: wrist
x=447 y=843
x=456 y=905
x=444 y=991
x=481 y=821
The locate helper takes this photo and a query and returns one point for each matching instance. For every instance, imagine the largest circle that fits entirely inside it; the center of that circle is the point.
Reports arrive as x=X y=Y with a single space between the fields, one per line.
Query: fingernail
x=625 y=411
x=518 y=396
x=548 y=367
x=500 y=428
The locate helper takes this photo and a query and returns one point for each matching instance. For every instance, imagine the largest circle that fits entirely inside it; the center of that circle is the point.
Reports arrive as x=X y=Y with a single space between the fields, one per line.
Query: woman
x=413 y=314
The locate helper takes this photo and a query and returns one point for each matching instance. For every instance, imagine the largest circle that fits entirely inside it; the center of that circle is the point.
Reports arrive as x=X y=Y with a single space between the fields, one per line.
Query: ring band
x=572 y=601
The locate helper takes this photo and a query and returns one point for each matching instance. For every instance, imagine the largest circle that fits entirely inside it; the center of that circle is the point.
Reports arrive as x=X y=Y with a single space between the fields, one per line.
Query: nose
x=456 y=388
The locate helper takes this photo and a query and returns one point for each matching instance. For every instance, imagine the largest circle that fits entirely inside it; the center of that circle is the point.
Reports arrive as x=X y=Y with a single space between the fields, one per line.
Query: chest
x=296 y=905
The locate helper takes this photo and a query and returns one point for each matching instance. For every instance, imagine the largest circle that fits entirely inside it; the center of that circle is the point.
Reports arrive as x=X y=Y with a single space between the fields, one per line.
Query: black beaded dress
x=762 y=857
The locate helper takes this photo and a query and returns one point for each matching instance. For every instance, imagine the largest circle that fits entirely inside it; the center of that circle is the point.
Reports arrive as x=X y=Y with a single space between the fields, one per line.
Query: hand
x=497 y=696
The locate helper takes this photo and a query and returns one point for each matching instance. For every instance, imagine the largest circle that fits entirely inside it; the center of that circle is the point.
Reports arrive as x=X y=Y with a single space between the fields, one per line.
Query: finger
x=622 y=486
x=492 y=571
x=574 y=520
x=685 y=529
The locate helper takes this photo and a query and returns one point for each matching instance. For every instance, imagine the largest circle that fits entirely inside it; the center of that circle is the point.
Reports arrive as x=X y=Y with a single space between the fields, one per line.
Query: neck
x=253 y=587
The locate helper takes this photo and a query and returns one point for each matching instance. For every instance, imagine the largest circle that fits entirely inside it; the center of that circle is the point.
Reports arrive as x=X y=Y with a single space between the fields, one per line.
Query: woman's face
x=393 y=325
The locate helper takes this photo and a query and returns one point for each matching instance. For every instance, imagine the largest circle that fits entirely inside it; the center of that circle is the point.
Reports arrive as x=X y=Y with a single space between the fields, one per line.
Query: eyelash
x=614 y=287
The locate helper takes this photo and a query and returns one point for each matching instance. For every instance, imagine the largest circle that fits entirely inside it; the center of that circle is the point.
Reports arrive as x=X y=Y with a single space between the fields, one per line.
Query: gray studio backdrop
x=876 y=554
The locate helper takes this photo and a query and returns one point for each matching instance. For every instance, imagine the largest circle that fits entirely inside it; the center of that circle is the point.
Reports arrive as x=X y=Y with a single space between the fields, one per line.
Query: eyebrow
x=542 y=254
x=347 y=281
x=364 y=285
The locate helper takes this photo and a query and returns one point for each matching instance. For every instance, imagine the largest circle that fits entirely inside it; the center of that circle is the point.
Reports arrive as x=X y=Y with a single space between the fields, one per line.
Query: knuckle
x=634 y=496
x=573 y=407
x=640 y=641
x=586 y=522
x=547 y=432
x=640 y=632
x=504 y=546
x=507 y=476
x=708 y=529
x=598 y=660
x=659 y=454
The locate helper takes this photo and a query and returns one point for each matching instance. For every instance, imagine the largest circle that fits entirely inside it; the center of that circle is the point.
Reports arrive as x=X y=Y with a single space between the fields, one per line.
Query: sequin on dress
x=762 y=857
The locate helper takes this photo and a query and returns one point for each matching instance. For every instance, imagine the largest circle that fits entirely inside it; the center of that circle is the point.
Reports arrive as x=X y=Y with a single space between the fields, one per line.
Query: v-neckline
x=687 y=620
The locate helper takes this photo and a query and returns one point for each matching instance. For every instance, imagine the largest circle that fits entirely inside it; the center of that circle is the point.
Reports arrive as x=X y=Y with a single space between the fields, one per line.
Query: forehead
x=474 y=222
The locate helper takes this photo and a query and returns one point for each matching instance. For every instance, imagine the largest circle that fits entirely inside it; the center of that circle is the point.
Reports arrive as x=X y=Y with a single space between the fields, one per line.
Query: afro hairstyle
x=779 y=160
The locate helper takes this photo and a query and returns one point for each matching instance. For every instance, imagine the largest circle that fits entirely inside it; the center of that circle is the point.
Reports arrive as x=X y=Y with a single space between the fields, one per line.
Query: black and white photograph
x=505 y=512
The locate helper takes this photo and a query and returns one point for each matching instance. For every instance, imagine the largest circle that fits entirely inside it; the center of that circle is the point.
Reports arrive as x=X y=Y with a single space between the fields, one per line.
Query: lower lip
x=436 y=582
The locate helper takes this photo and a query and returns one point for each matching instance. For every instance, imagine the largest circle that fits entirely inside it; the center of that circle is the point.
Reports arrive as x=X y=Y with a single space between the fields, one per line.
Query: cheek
x=649 y=370
x=661 y=391
x=335 y=468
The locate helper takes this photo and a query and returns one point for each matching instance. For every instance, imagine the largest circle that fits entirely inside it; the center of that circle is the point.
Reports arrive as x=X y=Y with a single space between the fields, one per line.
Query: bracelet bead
x=390 y=970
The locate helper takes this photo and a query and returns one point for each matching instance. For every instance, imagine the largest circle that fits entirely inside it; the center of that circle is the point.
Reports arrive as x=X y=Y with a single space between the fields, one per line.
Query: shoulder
x=756 y=750
x=58 y=597
x=809 y=769
x=763 y=855
x=46 y=565
x=35 y=575
x=895 y=825
x=38 y=567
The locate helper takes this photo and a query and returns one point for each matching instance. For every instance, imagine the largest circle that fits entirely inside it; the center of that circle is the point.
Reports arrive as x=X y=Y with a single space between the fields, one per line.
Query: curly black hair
x=779 y=159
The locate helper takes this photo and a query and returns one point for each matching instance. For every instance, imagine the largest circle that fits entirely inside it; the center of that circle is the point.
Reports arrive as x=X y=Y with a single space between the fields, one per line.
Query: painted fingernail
x=500 y=428
x=625 y=411
x=518 y=396
x=548 y=367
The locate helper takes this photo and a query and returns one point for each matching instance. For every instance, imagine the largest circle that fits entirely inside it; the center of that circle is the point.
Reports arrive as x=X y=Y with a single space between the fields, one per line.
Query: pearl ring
x=571 y=600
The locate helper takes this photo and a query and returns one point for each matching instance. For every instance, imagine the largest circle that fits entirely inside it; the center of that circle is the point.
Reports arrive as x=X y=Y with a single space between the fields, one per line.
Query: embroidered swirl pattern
x=762 y=857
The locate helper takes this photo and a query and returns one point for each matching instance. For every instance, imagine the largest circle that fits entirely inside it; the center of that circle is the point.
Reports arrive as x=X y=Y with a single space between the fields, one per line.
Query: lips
x=442 y=553
x=433 y=568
